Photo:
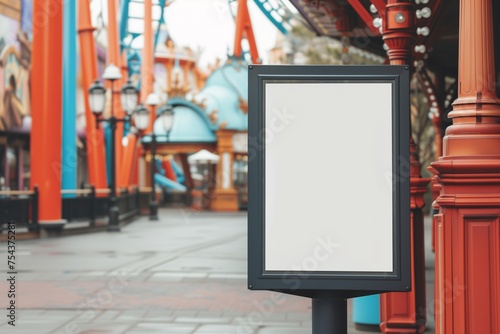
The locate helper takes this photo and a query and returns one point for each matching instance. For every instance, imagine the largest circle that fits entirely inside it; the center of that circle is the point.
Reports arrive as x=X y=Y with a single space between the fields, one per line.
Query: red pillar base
x=468 y=234
x=224 y=200
x=52 y=223
x=51 y=228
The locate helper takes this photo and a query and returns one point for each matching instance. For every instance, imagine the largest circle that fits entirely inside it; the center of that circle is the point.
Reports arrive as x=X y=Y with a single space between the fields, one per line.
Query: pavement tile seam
x=144 y=285
x=151 y=263
x=191 y=249
x=81 y=326
x=205 y=320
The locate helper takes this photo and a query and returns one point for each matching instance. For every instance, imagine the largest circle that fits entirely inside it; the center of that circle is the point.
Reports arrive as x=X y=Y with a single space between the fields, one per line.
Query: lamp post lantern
x=129 y=97
x=166 y=116
x=97 y=101
x=141 y=118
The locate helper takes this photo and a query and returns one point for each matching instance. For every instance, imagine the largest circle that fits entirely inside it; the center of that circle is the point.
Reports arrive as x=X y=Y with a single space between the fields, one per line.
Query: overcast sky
x=208 y=24
x=205 y=24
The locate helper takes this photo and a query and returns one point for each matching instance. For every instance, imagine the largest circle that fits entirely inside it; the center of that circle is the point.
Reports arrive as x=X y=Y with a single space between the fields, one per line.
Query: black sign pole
x=329 y=316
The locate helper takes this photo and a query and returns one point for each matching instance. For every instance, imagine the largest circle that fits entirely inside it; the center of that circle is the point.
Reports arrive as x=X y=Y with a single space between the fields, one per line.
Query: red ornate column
x=405 y=312
x=344 y=23
x=468 y=231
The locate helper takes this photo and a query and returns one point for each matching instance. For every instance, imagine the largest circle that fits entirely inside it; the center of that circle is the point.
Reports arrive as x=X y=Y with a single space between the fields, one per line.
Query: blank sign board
x=315 y=186
x=328 y=179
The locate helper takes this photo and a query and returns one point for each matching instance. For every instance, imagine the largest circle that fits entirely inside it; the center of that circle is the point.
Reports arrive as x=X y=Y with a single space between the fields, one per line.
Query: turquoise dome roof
x=190 y=125
x=233 y=75
x=223 y=92
x=226 y=103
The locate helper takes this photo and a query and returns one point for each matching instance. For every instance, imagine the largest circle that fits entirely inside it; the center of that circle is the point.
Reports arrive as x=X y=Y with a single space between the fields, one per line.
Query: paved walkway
x=183 y=274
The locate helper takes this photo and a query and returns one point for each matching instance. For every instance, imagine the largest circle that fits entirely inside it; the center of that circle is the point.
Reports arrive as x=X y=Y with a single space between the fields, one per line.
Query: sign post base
x=329 y=316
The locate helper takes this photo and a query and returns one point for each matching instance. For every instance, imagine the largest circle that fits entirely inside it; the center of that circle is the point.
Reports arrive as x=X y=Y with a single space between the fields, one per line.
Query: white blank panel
x=328 y=174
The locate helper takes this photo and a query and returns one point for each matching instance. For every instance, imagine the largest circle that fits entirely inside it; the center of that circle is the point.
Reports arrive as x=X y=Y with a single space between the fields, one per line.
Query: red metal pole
x=402 y=312
x=244 y=27
x=240 y=25
x=128 y=159
x=169 y=170
x=93 y=135
x=129 y=152
x=147 y=75
x=468 y=225
x=115 y=58
x=135 y=166
x=47 y=112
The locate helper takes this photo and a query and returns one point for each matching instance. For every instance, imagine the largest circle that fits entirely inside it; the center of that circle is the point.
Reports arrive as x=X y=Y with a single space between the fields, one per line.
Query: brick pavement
x=183 y=274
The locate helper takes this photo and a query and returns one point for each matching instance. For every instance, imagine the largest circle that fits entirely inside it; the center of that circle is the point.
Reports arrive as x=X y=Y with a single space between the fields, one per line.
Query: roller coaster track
x=277 y=12
x=134 y=17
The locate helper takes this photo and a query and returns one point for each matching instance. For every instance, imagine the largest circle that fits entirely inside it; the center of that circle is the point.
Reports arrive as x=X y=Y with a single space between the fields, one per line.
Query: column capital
x=399 y=31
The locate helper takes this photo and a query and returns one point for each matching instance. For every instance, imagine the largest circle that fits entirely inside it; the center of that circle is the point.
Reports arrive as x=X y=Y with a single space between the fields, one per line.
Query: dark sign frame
x=321 y=283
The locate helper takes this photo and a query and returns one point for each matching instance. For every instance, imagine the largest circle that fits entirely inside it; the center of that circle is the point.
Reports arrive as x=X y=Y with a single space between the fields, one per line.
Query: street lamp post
x=166 y=115
x=97 y=101
x=153 y=100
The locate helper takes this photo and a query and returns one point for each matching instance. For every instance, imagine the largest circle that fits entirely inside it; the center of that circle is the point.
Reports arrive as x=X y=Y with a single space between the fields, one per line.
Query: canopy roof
x=203 y=156
x=441 y=43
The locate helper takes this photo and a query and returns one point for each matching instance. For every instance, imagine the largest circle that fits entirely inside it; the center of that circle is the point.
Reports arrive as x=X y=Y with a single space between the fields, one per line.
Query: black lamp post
x=166 y=116
x=97 y=103
x=153 y=100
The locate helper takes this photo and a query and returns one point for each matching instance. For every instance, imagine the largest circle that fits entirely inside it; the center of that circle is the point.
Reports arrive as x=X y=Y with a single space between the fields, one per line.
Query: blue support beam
x=272 y=14
x=69 y=162
x=123 y=21
x=107 y=136
x=160 y=22
x=128 y=36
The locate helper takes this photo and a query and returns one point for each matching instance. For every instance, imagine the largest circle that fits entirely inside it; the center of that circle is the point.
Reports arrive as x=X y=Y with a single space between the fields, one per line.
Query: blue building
x=215 y=119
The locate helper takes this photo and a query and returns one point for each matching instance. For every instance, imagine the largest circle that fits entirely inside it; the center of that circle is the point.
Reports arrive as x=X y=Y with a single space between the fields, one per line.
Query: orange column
x=128 y=159
x=135 y=166
x=402 y=312
x=468 y=225
x=88 y=59
x=147 y=75
x=169 y=170
x=170 y=70
x=185 y=72
x=47 y=112
x=225 y=196
x=114 y=58
x=124 y=67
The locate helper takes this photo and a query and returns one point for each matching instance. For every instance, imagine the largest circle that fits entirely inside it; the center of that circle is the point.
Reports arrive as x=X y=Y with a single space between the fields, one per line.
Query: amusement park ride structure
x=181 y=72
x=122 y=38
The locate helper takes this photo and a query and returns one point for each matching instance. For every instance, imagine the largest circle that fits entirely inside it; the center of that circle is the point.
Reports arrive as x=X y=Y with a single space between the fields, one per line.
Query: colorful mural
x=26 y=17
x=15 y=60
